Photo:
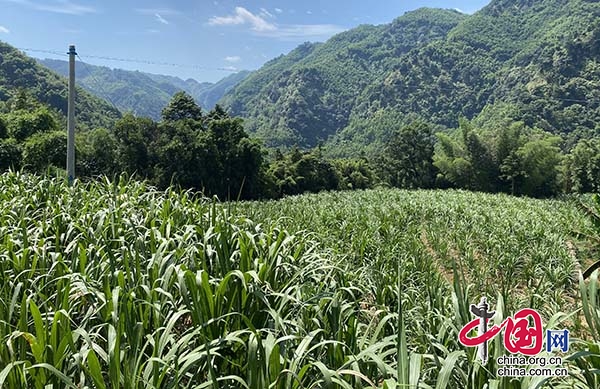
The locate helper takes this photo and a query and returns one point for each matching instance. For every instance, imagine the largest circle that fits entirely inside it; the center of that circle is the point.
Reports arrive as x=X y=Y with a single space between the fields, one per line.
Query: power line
x=98 y=83
x=225 y=69
x=147 y=62
x=133 y=60
x=61 y=53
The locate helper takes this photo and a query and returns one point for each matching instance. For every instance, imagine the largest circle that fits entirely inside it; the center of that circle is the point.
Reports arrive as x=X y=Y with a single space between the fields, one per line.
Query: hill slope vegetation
x=20 y=73
x=143 y=94
x=535 y=61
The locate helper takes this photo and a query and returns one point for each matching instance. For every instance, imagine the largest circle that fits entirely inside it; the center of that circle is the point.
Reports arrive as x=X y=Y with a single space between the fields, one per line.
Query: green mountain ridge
x=310 y=93
x=535 y=61
x=174 y=84
x=143 y=94
x=21 y=73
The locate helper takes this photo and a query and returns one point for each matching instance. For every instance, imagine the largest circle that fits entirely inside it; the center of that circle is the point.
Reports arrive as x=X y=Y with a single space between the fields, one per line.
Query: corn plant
x=111 y=284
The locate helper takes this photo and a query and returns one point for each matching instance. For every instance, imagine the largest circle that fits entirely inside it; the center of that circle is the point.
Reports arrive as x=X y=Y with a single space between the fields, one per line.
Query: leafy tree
x=97 y=153
x=539 y=160
x=515 y=158
x=23 y=123
x=240 y=159
x=182 y=106
x=315 y=174
x=583 y=166
x=217 y=113
x=454 y=162
x=465 y=160
x=178 y=155
x=408 y=157
x=212 y=154
x=135 y=144
x=43 y=150
x=299 y=172
x=3 y=129
x=483 y=170
x=22 y=99
x=355 y=173
x=10 y=154
x=508 y=138
x=512 y=171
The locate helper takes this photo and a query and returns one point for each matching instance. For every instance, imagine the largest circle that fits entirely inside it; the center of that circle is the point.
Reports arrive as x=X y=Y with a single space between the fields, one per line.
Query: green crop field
x=116 y=285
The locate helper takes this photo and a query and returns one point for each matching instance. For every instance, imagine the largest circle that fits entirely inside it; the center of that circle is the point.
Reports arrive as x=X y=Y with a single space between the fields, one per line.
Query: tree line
x=212 y=153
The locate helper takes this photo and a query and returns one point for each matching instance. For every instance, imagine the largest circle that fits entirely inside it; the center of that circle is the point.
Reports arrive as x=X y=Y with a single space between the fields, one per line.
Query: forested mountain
x=205 y=93
x=536 y=61
x=19 y=73
x=172 y=84
x=143 y=94
x=210 y=96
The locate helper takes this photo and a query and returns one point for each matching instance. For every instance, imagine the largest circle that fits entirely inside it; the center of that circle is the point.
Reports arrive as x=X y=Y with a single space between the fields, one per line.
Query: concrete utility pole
x=71 y=117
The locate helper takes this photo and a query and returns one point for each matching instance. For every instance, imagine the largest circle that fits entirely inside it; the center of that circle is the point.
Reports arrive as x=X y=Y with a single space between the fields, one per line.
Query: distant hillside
x=206 y=94
x=308 y=95
x=19 y=72
x=537 y=60
x=209 y=97
x=144 y=94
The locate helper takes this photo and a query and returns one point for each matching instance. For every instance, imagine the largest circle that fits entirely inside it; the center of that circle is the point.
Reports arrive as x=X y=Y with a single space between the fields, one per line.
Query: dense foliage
x=306 y=96
x=355 y=90
x=212 y=153
x=399 y=141
x=209 y=153
x=143 y=94
x=113 y=284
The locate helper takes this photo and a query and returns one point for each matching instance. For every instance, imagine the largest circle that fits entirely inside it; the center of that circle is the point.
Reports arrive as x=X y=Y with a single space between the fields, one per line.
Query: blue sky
x=204 y=39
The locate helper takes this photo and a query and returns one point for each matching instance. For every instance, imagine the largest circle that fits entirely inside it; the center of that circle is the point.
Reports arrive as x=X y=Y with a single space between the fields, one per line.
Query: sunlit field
x=113 y=284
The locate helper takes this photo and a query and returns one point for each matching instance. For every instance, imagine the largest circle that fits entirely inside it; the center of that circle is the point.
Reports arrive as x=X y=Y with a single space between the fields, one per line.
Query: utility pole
x=71 y=118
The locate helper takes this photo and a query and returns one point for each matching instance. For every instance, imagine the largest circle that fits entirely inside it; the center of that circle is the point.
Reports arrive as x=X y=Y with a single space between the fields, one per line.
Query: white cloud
x=261 y=27
x=233 y=58
x=266 y=14
x=240 y=17
x=57 y=6
x=4 y=30
x=160 y=19
x=309 y=12
x=230 y=68
x=462 y=11
x=304 y=31
x=278 y=10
